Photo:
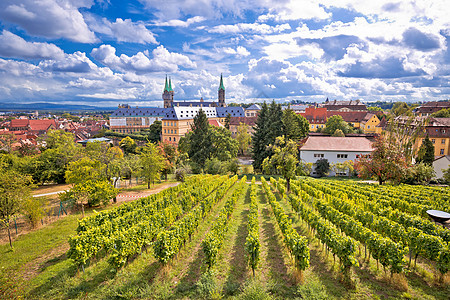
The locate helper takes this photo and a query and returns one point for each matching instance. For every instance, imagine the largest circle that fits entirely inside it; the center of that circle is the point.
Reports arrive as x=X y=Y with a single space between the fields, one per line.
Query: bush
x=214 y=166
x=207 y=287
x=322 y=167
x=446 y=176
x=312 y=291
x=254 y=290
x=34 y=210
x=420 y=173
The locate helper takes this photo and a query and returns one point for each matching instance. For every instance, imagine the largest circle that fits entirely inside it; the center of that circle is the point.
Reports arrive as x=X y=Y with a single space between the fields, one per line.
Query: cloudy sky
x=106 y=52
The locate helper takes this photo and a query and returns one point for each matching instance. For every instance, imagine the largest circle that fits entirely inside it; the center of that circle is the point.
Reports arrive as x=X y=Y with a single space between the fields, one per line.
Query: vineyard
x=220 y=236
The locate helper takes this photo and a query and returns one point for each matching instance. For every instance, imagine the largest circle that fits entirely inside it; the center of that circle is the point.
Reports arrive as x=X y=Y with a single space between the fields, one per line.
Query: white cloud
x=250 y=27
x=239 y=51
x=122 y=30
x=180 y=23
x=12 y=45
x=162 y=60
x=49 y=18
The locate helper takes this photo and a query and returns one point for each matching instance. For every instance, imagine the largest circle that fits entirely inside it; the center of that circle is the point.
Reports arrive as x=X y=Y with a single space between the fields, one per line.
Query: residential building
x=438 y=131
x=334 y=149
x=352 y=105
x=236 y=121
x=252 y=110
x=428 y=108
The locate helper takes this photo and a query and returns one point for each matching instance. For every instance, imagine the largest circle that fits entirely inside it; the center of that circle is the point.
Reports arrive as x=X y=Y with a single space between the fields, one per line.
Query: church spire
x=170 y=85
x=166 y=87
x=221 y=87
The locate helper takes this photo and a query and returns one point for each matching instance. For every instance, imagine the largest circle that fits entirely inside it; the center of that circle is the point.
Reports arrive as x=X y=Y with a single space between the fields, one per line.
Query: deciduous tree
x=243 y=137
x=151 y=163
x=14 y=189
x=284 y=159
x=337 y=122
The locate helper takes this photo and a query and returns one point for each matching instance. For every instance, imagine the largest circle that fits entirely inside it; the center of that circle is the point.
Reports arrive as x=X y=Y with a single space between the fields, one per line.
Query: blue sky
x=106 y=52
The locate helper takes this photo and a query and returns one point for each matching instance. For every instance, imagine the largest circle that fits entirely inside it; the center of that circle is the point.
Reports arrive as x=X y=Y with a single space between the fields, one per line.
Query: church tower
x=168 y=94
x=221 y=93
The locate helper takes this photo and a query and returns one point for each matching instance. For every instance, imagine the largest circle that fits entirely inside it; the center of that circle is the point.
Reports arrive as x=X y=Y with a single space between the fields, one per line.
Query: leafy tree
x=295 y=126
x=243 y=137
x=14 y=189
x=200 y=144
x=34 y=209
x=170 y=153
x=443 y=113
x=85 y=169
x=223 y=146
x=214 y=166
x=336 y=122
x=7 y=139
x=155 y=131
x=322 y=167
x=420 y=173
x=386 y=162
x=401 y=109
x=128 y=145
x=426 y=152
x=345 y=167
x=151 y=163
x=104 y=153
x=338 y=133
x=304 y=168
x=284 y=159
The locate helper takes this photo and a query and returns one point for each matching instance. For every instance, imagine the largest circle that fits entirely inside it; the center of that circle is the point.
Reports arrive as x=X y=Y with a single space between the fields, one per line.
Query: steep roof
x=234 y=111
x=253 y=107
x=215 y=123
x=349 y=116
x=19 y=123
x=139 y=112
x=332 y=143
x=39 y=125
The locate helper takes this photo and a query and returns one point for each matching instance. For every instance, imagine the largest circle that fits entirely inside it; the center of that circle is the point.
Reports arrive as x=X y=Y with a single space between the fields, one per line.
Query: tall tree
x=14 y=189
x=223 y=146
x=269 y=126
x=243 y=137
x=227 y=121
x=155 y=131
x=200 y=140
x=170 y=153
x=337 y=122
x=259 y=146
x=426 y=152
x=284 y=159
x=151 y=162
x=295 y=126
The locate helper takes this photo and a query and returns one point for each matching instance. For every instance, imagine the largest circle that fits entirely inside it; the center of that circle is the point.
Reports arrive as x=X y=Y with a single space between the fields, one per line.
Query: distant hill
x=50 y=107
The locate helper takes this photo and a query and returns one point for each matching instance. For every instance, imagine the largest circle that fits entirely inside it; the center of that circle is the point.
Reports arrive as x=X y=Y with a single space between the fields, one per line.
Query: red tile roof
x=19 y=123
x=215 y=123
x=332 y=143
x=39 y=125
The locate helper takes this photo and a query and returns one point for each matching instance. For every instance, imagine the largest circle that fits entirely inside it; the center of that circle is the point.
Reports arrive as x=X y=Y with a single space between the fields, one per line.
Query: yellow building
x=438 y=131
x=370 y=124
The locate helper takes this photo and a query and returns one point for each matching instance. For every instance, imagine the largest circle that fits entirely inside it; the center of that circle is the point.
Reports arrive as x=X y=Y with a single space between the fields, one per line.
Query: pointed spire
x=166 y=87
x=170 y=85
x=221 y=87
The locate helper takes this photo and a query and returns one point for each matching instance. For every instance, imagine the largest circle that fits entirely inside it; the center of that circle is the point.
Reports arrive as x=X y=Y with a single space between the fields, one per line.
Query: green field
x=39 y=267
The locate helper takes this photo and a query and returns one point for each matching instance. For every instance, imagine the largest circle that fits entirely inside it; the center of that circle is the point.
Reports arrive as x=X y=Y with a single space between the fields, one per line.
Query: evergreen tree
x=259 y=137
x=269 y=126
x=426 y=152
x=295 y=126
x=227 y=121
x=200 y=140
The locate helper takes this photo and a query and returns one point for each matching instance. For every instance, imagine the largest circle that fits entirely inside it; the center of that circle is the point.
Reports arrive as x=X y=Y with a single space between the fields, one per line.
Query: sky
x=108 y=52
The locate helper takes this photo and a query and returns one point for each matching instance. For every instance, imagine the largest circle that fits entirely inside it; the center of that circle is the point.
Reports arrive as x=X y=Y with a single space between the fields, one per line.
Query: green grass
x=42 y=270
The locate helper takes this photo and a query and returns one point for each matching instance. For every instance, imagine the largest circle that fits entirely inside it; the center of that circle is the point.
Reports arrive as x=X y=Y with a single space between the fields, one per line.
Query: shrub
x=254 y=290
x=34 y=210
x=322 y=167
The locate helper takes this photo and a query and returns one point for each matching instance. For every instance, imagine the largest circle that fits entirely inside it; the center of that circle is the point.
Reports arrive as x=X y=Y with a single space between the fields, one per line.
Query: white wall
x=331 y=156
x=440 y=165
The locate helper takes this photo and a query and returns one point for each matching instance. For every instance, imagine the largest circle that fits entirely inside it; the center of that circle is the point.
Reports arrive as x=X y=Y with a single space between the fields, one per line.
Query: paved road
x=48 y=194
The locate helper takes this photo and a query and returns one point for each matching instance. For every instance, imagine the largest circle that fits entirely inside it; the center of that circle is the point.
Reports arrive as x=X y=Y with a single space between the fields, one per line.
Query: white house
x=440 y=164
x=334 y=149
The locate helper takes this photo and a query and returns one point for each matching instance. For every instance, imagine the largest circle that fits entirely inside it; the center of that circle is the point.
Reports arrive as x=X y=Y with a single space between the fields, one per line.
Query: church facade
x=176 y=116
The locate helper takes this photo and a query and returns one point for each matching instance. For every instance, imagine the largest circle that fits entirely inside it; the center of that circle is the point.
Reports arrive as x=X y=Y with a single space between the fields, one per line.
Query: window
x=170 y=139
x=175 y=131
x=165 y=131
x=318 y=154
x=342 y=155
x=368 y=126
x=442 y=151
x=433 y=141
x=443 y=141
x=174 y=139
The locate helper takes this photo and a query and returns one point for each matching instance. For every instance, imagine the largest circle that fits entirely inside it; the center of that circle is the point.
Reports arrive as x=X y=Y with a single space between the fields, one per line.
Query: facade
x=252 y=110
x=438 y=131
x=176 y=116
x=236 y=121
x=38 y=127
x=431 y=107
x=334 y=149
